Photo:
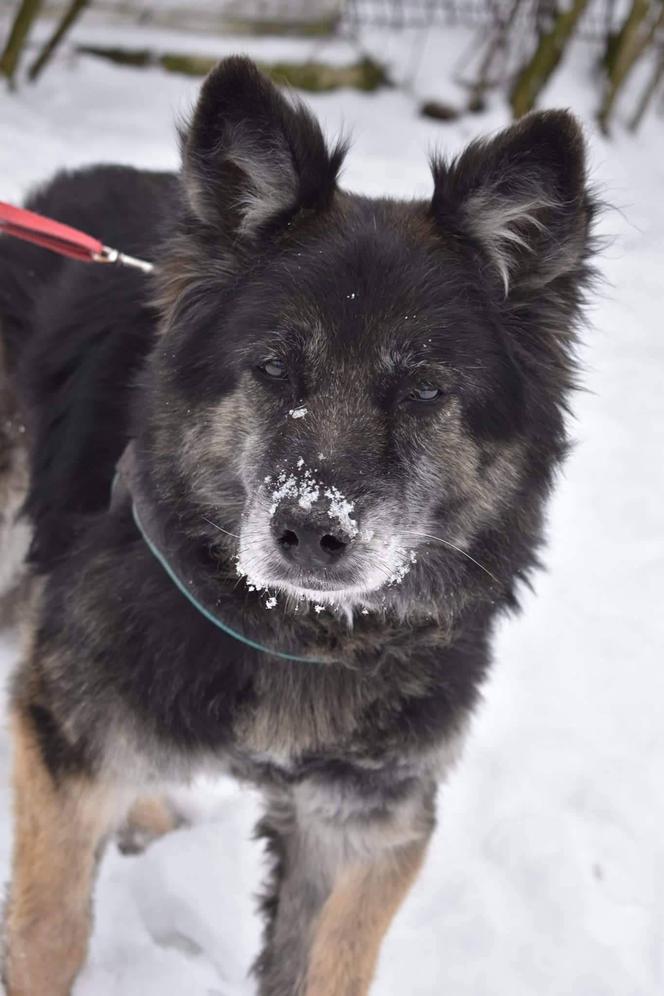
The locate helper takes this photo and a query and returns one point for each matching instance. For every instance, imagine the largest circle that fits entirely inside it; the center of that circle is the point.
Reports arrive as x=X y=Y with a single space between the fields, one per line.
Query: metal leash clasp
x=19 y=223
x=108 y=255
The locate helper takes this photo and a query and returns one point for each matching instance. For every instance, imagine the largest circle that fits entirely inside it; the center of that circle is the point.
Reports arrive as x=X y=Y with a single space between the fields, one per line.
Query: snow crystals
x=307 y=491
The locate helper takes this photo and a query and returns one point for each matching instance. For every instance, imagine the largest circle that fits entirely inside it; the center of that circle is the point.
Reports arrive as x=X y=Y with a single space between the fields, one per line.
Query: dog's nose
x=310 y=541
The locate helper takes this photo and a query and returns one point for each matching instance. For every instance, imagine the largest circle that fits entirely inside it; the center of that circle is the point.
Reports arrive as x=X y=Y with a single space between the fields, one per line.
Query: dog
x=278 y=494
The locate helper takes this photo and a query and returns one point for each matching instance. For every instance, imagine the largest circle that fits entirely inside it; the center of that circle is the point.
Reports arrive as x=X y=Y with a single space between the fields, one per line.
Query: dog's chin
x=324 y=594
x=345 y=593
x=309 y=587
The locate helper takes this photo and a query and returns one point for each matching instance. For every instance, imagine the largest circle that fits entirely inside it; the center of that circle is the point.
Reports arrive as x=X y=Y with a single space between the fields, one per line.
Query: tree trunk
x=633 y=39
x=20 y=29
x=550 y=50
x=649 y=92
x=75 y=8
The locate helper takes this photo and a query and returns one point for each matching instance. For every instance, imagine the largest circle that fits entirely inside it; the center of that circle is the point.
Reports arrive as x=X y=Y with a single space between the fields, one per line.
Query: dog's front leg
x=60 y=823
x=343 y=867
x=349 y=931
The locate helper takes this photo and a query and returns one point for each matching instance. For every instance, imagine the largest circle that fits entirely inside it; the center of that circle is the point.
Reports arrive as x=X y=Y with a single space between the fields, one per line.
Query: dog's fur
x=435 y=501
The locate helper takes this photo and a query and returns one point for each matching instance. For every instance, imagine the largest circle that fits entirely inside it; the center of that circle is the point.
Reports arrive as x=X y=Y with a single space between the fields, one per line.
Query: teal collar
x=188 y=594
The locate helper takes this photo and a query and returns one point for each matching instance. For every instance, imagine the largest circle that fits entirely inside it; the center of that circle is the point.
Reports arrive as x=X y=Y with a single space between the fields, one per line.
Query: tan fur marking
x=354 y=920
x=152 y=815
x=57 y=832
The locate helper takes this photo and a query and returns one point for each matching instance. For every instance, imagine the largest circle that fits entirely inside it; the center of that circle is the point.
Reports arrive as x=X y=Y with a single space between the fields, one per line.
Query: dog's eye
x=424 y=392
x=273 y=368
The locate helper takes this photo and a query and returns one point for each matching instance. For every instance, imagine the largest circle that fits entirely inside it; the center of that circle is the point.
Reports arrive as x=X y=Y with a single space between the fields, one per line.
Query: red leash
x=62 y=239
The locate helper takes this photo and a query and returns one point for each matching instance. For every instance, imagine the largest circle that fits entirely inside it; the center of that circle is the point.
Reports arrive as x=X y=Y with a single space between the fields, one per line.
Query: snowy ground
x=546 y=875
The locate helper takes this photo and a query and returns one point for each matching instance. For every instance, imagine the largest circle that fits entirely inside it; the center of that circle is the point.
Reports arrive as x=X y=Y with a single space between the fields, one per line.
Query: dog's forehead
x=383 y=281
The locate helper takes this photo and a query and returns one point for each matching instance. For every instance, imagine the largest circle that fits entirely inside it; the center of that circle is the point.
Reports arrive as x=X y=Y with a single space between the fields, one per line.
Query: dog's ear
x=251 y=157
x=521 y=198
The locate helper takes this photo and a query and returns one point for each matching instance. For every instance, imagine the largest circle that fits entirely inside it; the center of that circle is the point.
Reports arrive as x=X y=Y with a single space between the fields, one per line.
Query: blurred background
x=512 y=47
x=546 y=874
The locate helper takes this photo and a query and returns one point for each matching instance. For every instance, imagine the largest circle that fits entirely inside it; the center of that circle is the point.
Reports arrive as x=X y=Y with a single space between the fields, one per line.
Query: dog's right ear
x=252 y=158
x=523 y=200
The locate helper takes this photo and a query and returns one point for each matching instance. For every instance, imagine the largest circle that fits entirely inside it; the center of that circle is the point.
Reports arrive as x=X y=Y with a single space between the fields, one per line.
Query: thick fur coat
x=345 y=417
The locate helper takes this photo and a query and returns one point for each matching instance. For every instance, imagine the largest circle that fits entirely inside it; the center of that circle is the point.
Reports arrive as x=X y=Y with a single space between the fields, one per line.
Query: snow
x=546 y=873
x=341 y=509
x=308 y=491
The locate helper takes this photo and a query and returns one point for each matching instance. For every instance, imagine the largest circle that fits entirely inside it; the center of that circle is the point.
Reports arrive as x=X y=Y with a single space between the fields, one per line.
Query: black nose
x=309 y=540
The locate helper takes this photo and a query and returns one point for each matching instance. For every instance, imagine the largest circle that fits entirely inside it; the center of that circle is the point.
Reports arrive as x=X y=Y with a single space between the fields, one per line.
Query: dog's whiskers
x=221 y=530
x=452 y=546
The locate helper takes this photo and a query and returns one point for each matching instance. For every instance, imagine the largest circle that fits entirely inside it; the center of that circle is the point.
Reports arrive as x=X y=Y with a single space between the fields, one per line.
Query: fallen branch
x=365 y=74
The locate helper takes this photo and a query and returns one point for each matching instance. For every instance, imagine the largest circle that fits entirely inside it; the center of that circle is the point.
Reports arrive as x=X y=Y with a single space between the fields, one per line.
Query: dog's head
x=361 y=400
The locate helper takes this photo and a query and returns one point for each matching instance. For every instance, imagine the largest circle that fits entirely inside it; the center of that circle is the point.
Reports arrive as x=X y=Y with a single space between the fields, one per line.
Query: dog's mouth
x=261 y=565
x=340 y=592
x=313 y=588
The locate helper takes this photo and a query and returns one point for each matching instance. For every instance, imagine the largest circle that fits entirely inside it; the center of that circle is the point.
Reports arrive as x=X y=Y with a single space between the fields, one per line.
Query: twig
x=548 y=54
x=497 y=45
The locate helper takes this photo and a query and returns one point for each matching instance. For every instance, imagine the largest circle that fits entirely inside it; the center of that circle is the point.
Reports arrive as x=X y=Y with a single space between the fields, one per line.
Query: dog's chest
x=319 y=711
x=294 y=712
x=339 y=730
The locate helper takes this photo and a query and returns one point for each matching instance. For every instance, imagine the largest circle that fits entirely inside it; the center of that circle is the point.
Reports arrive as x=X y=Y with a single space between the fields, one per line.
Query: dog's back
x=73 y=338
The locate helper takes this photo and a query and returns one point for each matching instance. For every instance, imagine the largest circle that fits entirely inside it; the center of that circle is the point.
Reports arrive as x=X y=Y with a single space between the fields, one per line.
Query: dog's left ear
x=521 y=198
x=251 y=157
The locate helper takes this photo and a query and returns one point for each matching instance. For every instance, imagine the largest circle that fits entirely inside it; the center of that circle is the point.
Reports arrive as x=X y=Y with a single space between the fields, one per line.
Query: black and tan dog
x=340 y=419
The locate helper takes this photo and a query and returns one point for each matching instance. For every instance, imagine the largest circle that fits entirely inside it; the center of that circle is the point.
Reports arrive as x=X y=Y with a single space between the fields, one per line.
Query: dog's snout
x=309 y=540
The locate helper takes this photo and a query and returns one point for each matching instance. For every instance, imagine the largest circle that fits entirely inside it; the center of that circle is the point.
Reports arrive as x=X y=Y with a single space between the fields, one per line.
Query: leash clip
x=63 y=239
x=108 y=255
